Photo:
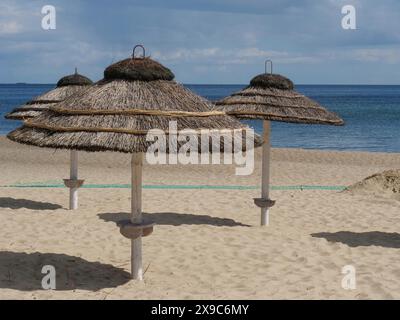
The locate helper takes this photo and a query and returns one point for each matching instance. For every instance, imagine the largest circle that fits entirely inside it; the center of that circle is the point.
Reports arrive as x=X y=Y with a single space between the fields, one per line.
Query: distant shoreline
x=224 y=84
x=3 y=136
x=356 y=104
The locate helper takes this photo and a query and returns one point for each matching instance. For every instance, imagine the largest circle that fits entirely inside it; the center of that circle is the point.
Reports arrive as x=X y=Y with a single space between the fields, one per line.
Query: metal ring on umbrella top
x=134 y=50
x=266 y=66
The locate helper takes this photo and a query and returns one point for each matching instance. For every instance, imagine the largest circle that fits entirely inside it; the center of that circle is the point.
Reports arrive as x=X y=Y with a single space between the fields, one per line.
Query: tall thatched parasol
x=136 y=95
x=271 y=97
x=66 y=87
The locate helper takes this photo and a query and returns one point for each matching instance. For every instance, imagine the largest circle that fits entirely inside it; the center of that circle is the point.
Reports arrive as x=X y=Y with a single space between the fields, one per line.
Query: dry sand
x=207 y=243
x=382 y=184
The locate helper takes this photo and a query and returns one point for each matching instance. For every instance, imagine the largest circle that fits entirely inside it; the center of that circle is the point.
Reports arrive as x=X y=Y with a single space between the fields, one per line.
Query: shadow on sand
x=22 y=271
x=175 y=219
x=11 y=203
x=357 y=239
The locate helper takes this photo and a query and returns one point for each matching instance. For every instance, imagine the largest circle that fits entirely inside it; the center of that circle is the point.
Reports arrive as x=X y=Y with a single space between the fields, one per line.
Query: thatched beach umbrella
x=116 y=114
x=271 y=97
x=66 y=87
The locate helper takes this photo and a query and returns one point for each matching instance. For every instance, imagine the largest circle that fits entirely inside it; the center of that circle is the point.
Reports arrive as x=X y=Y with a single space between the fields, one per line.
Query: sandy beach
x=207 y=243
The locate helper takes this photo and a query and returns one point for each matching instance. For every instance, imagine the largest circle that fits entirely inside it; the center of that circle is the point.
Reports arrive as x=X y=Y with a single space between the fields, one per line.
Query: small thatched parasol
x=271 y=97
x=66 y=87
x=116 y=114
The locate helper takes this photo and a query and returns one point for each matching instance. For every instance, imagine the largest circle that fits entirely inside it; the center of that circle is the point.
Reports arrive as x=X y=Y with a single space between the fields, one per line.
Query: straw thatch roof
x=272 y=97
x=143 y=69
x=66 y=87
x=75 y=79
x=115 y=114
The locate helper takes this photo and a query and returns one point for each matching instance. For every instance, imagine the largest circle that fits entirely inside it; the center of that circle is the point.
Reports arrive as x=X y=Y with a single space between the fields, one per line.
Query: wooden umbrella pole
x=73 y=191
x=136 y=215
x=266 y=154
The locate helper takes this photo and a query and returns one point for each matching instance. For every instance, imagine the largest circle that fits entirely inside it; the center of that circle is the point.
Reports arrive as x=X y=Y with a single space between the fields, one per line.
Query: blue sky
x=204 y=41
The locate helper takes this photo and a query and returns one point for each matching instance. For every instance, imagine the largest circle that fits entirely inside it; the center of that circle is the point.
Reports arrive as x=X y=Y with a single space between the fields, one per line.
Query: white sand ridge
x=386 y=183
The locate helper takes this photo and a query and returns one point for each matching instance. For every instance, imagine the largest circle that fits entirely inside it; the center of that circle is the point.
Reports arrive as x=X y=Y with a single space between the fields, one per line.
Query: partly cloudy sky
x=204 y=41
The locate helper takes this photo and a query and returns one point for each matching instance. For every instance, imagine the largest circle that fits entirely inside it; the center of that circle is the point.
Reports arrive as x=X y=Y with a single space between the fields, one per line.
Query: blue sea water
x=12 y=96
x=371 y=113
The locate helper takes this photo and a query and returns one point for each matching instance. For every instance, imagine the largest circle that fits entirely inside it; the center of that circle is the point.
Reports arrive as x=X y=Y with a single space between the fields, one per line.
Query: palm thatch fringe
x=111 y=121
x=58 y=94
x=308 y=117
x=274 y=93
x=127 y=143
x=171 y=113
x=22 y=115
x=277 y=105
x=43 y=102
x=34 y=108
x=36 y=125
x=271 y=98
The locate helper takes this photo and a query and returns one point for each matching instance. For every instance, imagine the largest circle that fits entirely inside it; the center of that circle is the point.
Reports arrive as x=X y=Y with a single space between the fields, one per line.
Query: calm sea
x=372 y=115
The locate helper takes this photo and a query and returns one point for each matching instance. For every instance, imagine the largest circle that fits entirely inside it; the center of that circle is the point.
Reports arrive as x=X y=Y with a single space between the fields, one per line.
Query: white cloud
x=10 y=27
x=187 y=54
x=16 y=18
x=217 y=40
x=219 y=56
x=391 y=55
x=367 y=55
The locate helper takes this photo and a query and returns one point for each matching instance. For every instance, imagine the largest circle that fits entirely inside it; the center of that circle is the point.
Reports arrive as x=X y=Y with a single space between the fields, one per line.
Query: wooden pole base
x=73 y=186
x=73 y=199
x=265 y=205
x=136 y=216
x=264 y=216
x=136 y=253
x=266 y=158
x=135 y=230
x=73 y=181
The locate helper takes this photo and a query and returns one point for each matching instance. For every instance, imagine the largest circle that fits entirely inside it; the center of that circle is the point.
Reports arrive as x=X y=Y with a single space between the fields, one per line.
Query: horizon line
x=227 y=84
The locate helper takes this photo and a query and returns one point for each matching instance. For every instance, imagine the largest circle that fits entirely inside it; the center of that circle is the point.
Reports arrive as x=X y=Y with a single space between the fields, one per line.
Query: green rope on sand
x=182 y=187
